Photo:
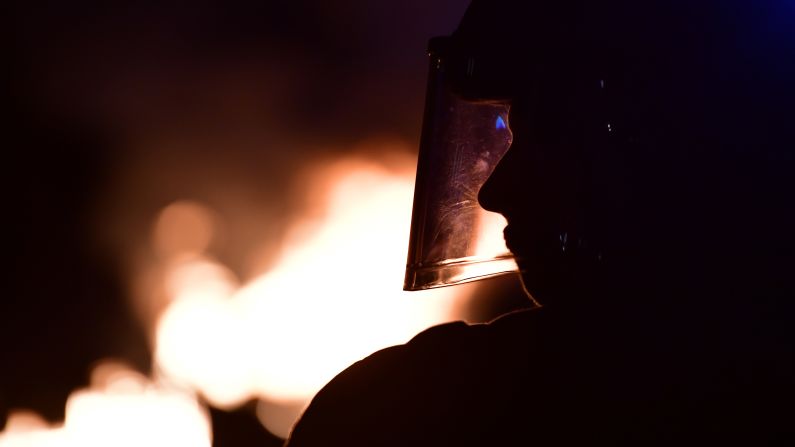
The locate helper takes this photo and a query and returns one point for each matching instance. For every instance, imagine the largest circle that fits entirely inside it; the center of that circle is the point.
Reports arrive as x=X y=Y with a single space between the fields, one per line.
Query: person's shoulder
x=378 y=391
x=389 y=397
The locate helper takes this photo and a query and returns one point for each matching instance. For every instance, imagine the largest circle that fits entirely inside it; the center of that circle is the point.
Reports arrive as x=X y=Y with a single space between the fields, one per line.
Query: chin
x=528 y=290
x=533 y=280
x=547 y=279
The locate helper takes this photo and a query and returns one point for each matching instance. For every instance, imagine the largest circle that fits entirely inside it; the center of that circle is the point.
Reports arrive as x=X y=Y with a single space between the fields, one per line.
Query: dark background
x=117 y=109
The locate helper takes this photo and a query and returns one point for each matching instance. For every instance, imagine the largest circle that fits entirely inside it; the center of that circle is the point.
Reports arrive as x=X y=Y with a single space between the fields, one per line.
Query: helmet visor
x=453 y=240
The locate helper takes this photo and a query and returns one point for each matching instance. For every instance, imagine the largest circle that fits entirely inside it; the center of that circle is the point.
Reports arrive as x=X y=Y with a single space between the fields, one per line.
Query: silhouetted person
x=649 y=196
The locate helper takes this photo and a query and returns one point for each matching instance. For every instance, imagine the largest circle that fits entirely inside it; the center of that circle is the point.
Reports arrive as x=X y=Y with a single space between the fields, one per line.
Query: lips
x=519 y=241
x=510 y=241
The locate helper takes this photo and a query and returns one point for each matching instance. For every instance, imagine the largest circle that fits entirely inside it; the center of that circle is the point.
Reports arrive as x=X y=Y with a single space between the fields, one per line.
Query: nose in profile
x=502 y=186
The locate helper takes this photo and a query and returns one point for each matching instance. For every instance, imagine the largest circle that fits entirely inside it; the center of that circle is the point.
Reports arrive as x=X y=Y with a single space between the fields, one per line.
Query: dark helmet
x=652 y=143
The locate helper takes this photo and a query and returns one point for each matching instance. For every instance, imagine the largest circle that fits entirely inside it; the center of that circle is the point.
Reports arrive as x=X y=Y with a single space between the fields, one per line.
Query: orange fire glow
x=333 y=297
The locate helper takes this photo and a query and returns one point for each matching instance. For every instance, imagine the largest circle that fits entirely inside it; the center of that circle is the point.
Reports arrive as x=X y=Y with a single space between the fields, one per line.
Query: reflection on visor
x=453 y=240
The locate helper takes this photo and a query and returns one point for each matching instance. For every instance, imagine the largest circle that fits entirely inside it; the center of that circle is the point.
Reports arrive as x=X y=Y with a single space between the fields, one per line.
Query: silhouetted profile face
x=538 y=186
x=517 y=54
x=520 y=189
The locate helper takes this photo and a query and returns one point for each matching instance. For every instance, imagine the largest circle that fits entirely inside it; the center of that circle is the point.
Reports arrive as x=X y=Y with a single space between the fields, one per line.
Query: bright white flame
x=201 y=339
x=333 y=298
x=336 y=295
x=122 y=408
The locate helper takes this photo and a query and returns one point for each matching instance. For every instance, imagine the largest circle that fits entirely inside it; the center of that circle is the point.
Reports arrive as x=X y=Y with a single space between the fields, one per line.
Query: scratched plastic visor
x=453 y=240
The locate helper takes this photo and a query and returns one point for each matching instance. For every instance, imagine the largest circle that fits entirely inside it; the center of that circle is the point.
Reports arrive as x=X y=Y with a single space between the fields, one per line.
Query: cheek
x=542 y=184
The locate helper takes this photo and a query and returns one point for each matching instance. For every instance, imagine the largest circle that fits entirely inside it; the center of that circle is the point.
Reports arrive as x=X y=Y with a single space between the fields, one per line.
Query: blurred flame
x=200 y=339
x=24 y=422
x=184 y=227
x=333 y=297
x=121 y=408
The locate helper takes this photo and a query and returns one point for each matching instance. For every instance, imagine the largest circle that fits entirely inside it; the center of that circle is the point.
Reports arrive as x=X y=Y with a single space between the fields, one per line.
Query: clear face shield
x=453 y=240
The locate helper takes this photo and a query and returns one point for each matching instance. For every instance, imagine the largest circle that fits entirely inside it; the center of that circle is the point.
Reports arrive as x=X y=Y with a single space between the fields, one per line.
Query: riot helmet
x=648 y=145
